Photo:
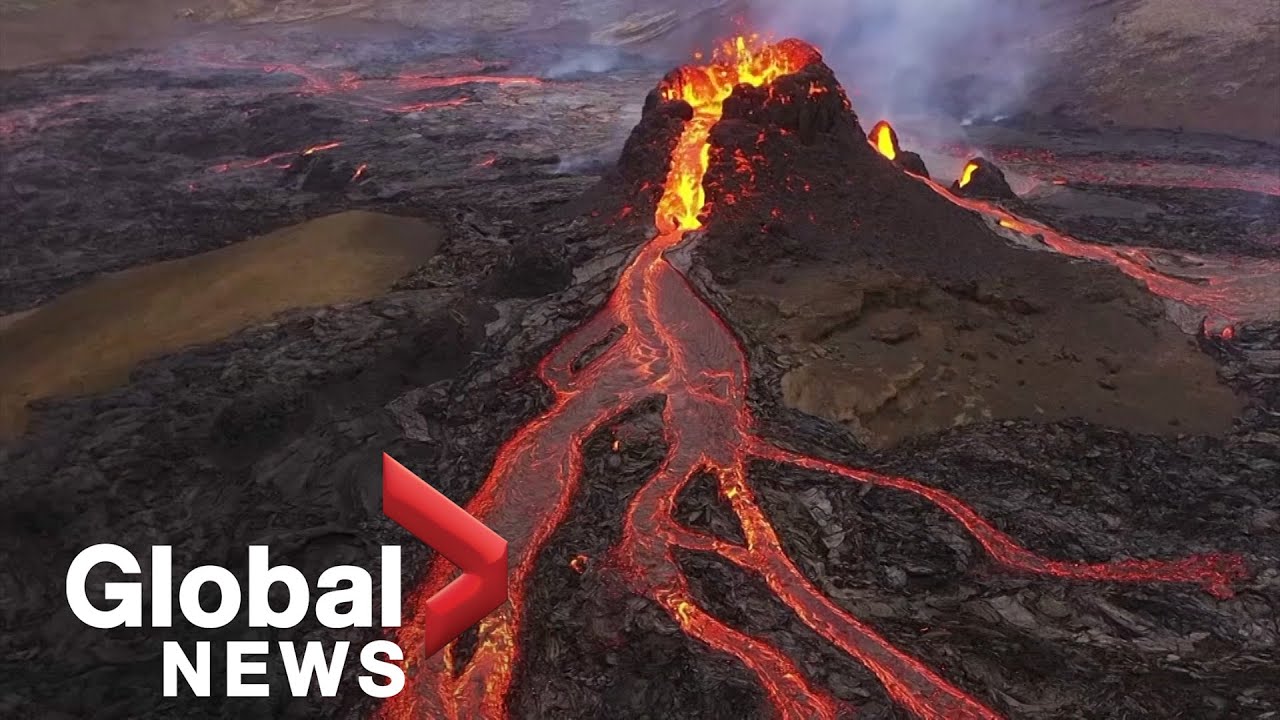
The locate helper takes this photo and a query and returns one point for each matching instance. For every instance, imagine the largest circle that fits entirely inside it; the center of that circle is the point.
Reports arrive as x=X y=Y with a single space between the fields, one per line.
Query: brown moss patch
x=90 y=338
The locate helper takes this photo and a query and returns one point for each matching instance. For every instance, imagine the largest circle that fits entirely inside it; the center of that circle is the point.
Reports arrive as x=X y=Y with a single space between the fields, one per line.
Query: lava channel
x=676 y=345
x=1245 y=290
x=1045 y=164
x=1229 y=291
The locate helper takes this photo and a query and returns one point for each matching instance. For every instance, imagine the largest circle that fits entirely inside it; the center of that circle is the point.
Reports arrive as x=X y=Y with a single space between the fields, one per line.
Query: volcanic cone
x=981 y=178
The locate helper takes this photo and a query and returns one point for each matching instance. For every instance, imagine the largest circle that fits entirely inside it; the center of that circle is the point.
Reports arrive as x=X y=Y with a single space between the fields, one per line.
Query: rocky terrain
x=1174 y=64
x=886 y=328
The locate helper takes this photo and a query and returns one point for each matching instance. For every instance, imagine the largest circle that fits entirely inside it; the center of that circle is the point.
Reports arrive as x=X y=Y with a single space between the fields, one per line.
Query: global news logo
x=346 y=599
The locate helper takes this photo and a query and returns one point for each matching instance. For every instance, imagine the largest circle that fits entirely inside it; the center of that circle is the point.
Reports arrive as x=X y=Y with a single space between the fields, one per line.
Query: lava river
x=675 y=345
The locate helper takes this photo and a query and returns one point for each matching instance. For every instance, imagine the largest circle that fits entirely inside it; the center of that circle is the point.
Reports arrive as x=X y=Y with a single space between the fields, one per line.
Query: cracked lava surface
x=674 y=344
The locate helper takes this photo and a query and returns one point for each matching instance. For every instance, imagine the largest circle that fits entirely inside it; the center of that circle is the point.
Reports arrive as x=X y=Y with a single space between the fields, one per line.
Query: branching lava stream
x=675 y=345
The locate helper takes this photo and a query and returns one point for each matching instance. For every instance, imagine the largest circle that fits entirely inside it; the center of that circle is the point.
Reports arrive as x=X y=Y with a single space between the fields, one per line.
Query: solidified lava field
x=755 y=408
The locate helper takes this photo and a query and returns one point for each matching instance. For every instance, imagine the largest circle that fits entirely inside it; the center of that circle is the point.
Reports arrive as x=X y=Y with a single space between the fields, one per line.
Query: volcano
x=775 y=424
x=980 y=178
x=748 y=163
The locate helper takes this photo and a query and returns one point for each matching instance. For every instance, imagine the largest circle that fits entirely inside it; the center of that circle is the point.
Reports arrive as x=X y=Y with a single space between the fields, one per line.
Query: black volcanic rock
x=810 y=103
x=912 y=163
x=275 y=436
x=795 y=190
x=636 y=179
x=792 y=175
x=318 y=173
x=986 y=182
x=533 y=268
x=909 y=161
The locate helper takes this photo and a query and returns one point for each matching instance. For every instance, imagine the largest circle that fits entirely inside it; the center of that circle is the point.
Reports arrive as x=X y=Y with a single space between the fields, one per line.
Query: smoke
x=577 y=62
x=596 y=160
x=964 y=59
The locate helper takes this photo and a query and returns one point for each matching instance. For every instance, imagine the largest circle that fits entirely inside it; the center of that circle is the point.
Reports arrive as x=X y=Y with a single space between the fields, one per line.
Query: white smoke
x=585 y=61
x=965 y=59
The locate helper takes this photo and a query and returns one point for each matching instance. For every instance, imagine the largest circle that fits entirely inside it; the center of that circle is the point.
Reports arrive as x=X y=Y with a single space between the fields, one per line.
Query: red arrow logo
x=479 y=552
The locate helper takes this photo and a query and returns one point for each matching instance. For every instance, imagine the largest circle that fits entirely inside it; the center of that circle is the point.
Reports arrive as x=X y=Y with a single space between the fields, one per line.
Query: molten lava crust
x=754 y=157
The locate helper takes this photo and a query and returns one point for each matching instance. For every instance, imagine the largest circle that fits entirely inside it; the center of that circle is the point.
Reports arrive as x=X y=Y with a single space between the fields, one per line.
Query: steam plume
x=962 y=58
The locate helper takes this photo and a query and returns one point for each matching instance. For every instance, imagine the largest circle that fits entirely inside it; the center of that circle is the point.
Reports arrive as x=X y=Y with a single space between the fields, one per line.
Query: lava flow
x=273 y=158
x=675 y=345
x=1241 y=291
x=1064 y=169
x=1238 y=290
x=386 y=93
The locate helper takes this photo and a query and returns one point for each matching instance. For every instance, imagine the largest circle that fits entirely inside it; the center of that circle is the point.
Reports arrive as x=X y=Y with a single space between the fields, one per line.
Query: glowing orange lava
x=1230 y=289
x=1226 y=298
x=1047 y=164
x=705 y=89
x=675 y=345
x=321 y=148
x=969 y=169
x=274 y=157
x=428 y=105
x=882 y=137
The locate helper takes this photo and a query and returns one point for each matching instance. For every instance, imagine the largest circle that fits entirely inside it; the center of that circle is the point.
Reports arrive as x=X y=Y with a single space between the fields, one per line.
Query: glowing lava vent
x=674 y=345
x=980 y=178
x=885 y=140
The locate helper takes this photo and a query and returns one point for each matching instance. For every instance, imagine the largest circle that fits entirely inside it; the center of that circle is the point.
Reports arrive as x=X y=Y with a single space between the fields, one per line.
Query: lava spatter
x=674 y=344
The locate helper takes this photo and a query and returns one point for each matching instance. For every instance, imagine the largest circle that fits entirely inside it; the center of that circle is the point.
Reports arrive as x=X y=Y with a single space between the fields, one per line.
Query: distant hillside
x=1207 y=65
